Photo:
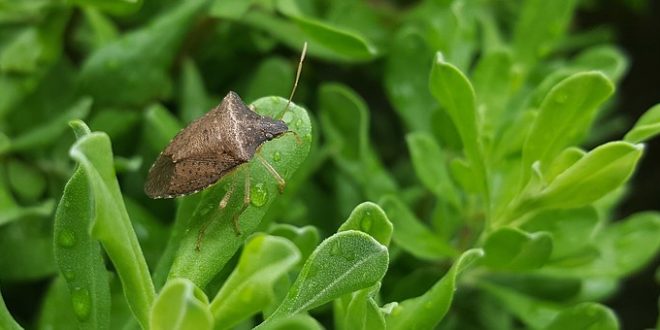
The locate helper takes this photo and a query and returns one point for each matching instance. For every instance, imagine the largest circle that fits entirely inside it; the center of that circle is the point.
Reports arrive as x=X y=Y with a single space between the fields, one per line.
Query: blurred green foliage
x=480 y=201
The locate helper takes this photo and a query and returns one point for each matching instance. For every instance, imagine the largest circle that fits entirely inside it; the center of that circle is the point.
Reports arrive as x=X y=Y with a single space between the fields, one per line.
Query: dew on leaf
x=277 y=156
x=81 y=303
x=258 y=195
x=66 y=239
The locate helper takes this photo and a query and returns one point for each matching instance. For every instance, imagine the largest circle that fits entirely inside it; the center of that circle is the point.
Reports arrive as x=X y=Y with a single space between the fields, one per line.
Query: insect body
x=209 y=148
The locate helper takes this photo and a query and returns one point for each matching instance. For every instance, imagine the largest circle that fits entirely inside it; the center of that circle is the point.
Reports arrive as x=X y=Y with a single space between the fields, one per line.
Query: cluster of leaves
x=498 y=195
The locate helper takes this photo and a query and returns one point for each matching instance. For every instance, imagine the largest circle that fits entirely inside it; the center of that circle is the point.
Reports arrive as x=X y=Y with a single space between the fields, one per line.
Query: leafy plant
x=485 y=199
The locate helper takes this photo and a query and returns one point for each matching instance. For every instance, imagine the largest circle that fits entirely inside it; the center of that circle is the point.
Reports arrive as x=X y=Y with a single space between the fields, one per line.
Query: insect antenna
x=295 y=83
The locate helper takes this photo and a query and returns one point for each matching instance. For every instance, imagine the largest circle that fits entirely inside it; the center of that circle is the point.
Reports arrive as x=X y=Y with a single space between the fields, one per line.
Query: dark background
x=637 y=32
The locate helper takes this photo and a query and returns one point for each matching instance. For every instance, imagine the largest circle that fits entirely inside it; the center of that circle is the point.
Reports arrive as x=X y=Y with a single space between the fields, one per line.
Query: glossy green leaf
x=220 y=241
x=344 y=262
x=249 y=288
x=540 y=25
x=591 y=316
x=455 y=93
x=79 y=257
x=181 y=305
x=647 y=127
x=140 y=59
x=412 y=313
x=597 y=173
x=413 y=236
x=565 y=116
x=430 y=163
x=513 y=249
x=369 y=218
x=51 y=131
x=110 y=222
x=607 y=59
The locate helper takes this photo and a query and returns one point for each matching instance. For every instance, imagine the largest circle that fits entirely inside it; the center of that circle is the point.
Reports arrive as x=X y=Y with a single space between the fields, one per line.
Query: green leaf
x=56 y=309
x=27 y=182
x=369 y=218
x=344 y=262
x=140 y=59
x=455 y=93
x=565 y=116
x=79 y=257
x=295 y=322
x=606 y=58
x=111 y=224
x=305 y=238
x=14 y=213
x=540 y=25
x=588 y=316
x=413 y=313
x=647 y=127
x=181 y=305
x=273 y=76
x=347 y=45
x=567 y=158
x=194 y=101
x=493 y=80
x=6 y=320
x=571 y=230
x=345 y=122
x=26 y=247
x=406 y=79
x=50 y=131
x=624 y=247
x=117 y=7
x=413 y=236
x=230 y=9
x=249 y=288
x=532 y=312
x=597 y=173
x=430 y=163
x=160 y=127
x=220 y=241
x=362 y=312
x=513 y=249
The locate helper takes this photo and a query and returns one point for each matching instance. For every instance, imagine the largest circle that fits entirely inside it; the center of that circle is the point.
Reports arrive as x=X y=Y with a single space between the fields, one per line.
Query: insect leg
x=223 y=203
x=246 y=201
x=273 y=172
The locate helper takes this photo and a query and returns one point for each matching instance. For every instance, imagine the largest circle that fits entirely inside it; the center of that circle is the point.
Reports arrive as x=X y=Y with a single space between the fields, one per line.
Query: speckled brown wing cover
x=198 y=156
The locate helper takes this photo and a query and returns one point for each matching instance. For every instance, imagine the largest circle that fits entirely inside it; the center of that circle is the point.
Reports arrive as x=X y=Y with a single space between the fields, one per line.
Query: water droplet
x=299 y=123
x=277 y=156
x=259 y=194
x=68 y=274
x=81 y=303
x=66 y=239
x=366 y=222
